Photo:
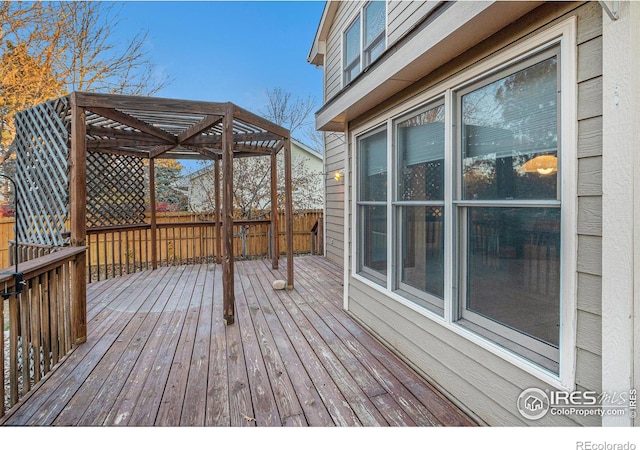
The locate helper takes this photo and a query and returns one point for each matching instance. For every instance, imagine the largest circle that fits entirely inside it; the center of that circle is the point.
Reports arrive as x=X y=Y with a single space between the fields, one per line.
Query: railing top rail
x=37 y=266
x=31 y=244
x=143 y=226
x=211 y=222
x=114 y=228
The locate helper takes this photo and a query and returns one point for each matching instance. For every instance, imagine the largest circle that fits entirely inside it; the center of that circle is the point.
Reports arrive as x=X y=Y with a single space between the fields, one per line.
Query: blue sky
x=229 y=51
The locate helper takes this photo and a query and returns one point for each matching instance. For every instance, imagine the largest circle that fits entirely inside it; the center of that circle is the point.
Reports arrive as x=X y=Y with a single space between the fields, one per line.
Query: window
x=419 y=206
x=509 y=207
x=374 y=18
x=364 y=39
x=475 y=208
x=352 y=51
x=372 y=204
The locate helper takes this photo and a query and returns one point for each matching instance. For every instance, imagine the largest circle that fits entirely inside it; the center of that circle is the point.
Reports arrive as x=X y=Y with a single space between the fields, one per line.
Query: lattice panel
x=42 y=175
x=115 y=190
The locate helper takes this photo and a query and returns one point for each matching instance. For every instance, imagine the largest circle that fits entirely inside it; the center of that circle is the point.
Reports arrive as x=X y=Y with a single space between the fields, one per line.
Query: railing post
x=78 y=220
x=288 y=210
x=152 y=206
x=274 y=210
x=216 y=191
x=228 y=292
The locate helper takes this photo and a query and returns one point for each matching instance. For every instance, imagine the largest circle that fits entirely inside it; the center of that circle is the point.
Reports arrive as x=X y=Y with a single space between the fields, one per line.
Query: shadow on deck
x=158 y=354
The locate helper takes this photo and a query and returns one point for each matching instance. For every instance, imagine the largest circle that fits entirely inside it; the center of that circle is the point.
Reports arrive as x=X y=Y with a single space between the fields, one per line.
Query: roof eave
x=318 y=48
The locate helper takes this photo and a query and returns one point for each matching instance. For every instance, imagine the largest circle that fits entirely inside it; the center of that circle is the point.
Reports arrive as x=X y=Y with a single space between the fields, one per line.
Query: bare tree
x=295 y=114
x=51 y=48
x=251 y=187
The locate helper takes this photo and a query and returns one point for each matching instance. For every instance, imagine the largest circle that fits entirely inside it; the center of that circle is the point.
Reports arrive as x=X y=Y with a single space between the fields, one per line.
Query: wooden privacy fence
x=181 y=238
x=40 y=321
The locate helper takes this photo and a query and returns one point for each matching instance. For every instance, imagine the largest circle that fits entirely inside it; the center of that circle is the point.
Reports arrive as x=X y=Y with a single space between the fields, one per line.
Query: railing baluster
x=24 y=336
x=14 y=322
x=53 y=308
x=44 y=311
x=2 y=380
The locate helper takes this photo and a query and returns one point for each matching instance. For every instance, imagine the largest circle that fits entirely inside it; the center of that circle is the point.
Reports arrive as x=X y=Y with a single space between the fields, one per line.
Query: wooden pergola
x=55 y=140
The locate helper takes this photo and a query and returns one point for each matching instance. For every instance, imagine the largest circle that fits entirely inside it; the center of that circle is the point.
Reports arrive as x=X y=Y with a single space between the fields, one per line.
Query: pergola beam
x=121 y=151
x=249 y=117
x=237 y=137
x=152 y=104
x=130 y=121
x=122 y=135
x=160 y=150
x=198 y=128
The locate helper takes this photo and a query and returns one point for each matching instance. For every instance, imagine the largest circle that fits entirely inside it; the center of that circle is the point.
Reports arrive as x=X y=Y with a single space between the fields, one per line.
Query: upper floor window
x=364 y=40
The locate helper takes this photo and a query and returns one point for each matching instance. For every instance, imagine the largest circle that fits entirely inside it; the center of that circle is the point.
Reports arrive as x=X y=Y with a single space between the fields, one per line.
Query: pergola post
x=78 y=219
x=228 y=294
x=288 y=209
x=218 y=218
x=152 y=206
x=275 y=250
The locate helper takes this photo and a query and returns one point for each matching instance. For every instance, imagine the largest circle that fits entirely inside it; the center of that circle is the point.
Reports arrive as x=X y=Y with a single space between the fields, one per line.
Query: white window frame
x=427 y=299
x=461 y=208
x=564 y=34
x=363 y=52
x=370 y=273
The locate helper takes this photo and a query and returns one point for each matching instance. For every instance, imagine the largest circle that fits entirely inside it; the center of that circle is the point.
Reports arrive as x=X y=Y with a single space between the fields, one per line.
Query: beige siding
x=403 y=16
x=589 y=339
x=346 y=12
x=334 y=197
x=485 y=383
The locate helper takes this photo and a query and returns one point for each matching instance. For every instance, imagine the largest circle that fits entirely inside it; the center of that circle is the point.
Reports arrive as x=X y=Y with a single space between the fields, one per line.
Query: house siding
x=346 y=12
x=404 y=16
x=484 y=383
x=334 y=198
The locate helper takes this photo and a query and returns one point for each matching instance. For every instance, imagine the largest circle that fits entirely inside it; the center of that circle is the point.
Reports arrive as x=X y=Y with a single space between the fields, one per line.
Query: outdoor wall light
x=338 y=175
x=543 y=164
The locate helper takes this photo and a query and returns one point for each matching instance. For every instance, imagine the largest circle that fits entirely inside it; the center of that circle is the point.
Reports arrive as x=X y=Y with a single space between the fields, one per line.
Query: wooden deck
x=158 y=354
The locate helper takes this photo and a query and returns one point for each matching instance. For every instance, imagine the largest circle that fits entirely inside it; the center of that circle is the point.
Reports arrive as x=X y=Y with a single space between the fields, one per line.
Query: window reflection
x=508 y=124
x=423 y=249
x=513 y=268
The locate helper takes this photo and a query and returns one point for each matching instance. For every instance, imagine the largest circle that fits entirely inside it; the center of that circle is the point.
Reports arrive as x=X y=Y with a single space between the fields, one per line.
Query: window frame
x=539 y=352
x=363 y=60
x=564 y=34
x=348 y=66
x=369 y=272
x=423 y=298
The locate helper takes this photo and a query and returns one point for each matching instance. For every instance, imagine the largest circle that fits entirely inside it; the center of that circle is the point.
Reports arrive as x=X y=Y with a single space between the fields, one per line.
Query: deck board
x=159 y=354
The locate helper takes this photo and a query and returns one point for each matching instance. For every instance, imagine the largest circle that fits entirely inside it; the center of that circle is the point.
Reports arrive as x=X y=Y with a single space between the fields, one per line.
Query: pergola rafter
x=118 y=130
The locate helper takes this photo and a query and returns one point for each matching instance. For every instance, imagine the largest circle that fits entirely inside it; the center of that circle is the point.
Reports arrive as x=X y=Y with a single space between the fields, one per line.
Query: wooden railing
x=302 y=223
x=28 y=251
x=39 y=321
x=114 y=251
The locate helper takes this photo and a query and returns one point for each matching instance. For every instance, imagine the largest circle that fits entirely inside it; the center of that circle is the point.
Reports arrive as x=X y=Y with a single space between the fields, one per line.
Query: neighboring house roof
x=186 y=179
x=306 y=148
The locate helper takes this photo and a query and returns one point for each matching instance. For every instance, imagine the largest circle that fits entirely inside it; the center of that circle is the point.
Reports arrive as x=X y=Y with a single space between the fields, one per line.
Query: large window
x=364 y=39
x=419 y=205
x=476 y=199
x=372 y=204
x=509 y=207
